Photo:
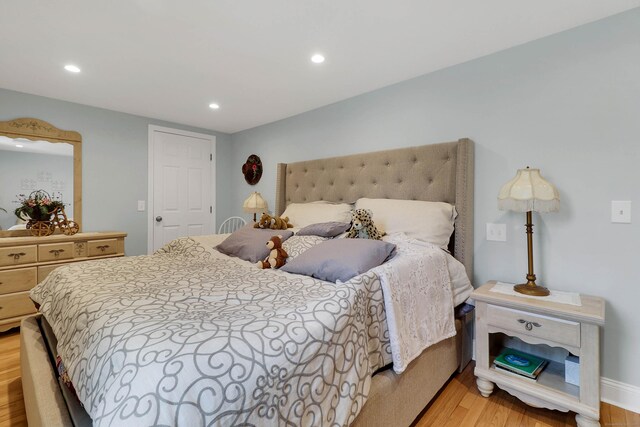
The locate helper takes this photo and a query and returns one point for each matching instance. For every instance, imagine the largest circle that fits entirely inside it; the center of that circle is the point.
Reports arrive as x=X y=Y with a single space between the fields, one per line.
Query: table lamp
x=528 y=192
x=254 y=204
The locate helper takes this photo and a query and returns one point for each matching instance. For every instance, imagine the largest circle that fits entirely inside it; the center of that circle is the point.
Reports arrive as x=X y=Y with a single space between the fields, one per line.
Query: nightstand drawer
x=18 y=280
x=55 y=251
x=535 y=325
x=18 y=255
x=102 y=247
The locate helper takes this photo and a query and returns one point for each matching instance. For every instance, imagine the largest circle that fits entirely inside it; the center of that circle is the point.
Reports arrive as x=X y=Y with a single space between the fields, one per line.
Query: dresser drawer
x=18 y=280
x=17 y=255
x=55 y=251
x=534 y=325
x=17 y=304
x=102 y=247
x=44 y=271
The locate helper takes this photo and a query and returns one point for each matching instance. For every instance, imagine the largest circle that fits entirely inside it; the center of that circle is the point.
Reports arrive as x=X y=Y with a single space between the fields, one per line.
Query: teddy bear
x=362 y=226
x=273 y=222
x=263 y=222
x=277 y=255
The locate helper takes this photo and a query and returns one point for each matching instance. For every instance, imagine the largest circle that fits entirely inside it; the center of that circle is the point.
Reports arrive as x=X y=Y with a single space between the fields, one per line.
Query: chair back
x=231 y=224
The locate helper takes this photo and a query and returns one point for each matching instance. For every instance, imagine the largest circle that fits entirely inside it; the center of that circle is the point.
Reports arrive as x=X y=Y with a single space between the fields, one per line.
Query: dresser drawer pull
x=102 y=247
x=529 y=325
x=56 y=252
x=16 y=256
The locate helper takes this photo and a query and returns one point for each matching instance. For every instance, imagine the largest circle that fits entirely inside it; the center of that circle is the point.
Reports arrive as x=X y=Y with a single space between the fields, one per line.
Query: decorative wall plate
x=252 y=169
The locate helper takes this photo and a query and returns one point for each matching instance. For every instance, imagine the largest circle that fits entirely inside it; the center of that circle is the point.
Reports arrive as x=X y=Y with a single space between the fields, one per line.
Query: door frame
x=150 y=188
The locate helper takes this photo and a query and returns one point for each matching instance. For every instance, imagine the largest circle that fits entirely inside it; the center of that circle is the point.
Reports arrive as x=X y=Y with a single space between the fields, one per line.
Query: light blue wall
x=114 y=161
x=568 y=104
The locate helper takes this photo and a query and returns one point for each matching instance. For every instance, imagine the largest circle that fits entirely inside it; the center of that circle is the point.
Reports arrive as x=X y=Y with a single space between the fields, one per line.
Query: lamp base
x=533 y=290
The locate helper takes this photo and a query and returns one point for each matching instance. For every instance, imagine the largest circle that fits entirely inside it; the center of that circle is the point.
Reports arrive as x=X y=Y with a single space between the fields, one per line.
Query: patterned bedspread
x=191 y=337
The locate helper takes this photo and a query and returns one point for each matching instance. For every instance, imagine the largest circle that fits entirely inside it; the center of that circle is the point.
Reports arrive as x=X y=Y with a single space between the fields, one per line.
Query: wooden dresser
x=26 y=261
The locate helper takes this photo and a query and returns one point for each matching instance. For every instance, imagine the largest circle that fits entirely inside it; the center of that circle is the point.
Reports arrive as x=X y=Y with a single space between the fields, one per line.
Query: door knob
x=158 y=218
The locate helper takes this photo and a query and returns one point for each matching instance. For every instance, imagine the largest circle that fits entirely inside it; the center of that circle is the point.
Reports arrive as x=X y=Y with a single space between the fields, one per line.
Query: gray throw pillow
x=340 y=259
x=324 y=229
x=250 y=244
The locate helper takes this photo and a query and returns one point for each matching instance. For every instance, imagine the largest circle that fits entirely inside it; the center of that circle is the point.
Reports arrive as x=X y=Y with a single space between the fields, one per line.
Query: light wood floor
x=11 y=403
x=458 y=404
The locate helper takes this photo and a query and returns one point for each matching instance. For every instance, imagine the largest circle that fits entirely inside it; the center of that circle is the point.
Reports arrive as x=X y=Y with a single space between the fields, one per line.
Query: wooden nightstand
x=549 y=330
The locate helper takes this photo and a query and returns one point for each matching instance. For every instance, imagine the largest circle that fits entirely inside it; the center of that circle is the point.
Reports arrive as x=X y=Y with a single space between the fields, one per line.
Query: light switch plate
x=141 y=206
x=621 y=211
x=497 y=232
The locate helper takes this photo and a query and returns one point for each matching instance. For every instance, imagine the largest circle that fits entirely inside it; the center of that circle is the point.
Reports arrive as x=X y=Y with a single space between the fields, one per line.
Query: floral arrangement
x=38 y=206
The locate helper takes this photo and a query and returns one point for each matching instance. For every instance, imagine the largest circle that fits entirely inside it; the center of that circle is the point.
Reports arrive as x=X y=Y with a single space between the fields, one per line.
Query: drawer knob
x=529 y=325
x=16 y=256
x=56 y=252
x=102 y=247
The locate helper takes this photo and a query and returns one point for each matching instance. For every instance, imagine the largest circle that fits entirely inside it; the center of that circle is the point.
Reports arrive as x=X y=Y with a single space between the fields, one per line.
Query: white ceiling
x=169 y=59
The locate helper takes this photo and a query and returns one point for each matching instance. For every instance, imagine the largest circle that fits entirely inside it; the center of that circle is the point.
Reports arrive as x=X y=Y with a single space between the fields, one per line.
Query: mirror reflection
x=27 y=166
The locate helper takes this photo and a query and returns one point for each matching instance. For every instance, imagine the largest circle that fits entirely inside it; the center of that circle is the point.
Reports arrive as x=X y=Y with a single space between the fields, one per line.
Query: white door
x=181 y=186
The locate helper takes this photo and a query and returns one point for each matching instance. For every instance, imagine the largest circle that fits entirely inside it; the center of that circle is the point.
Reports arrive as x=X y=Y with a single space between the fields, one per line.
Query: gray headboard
x=437 y=172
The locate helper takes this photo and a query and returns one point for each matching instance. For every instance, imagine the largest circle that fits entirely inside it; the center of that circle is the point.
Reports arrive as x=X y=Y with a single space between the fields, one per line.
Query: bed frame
x=438 y=172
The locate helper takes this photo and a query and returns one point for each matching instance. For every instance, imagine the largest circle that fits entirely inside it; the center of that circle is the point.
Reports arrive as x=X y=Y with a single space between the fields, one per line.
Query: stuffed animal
x=263 y=222
x=273 y=222
x=277 y=255
x=362 y=226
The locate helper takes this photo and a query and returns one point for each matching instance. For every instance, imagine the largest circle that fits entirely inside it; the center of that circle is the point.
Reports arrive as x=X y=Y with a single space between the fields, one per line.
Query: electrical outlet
x=141 y=206
x=497 y=232
x=621 y=212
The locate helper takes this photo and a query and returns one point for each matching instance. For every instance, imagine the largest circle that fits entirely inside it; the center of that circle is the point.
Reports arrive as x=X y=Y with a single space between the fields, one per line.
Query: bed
x=440 y=172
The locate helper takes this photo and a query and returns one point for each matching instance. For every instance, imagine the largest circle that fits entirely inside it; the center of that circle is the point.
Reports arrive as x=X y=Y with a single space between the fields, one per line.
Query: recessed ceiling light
x=19 y=145
x=317 y=59
x=214 y=106
x=72 y=68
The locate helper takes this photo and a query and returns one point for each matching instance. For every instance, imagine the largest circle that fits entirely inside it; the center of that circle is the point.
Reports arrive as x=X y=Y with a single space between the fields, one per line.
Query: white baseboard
x=619 y=394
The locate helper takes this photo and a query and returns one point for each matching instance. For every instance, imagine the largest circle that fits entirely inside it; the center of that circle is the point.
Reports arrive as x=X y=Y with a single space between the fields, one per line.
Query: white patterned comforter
x=192 y=337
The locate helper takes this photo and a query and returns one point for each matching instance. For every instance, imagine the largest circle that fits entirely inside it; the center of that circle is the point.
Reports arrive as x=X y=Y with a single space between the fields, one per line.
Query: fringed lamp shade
x=255 y=204
x=528 y=192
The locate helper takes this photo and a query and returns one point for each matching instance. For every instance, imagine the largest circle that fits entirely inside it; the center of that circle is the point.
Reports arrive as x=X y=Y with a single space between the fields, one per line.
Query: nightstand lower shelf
x=544 y=393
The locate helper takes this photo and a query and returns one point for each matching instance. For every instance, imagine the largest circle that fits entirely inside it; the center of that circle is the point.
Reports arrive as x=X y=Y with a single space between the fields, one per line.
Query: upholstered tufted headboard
x=438 y=172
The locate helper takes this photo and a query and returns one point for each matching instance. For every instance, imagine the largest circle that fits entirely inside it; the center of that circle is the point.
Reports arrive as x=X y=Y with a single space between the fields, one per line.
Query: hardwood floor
x=11 y=402
x=457 y=405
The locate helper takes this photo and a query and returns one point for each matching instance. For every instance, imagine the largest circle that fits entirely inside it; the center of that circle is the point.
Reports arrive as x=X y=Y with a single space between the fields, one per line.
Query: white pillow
x=427 y=221
x=303 y=214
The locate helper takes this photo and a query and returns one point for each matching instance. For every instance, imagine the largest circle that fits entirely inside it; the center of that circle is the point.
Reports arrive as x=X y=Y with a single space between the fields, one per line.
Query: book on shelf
x=502 y=370
x=520 y=363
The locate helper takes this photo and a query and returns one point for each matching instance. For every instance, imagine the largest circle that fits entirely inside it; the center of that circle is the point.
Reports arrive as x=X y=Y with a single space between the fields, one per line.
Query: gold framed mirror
x=38 y=131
